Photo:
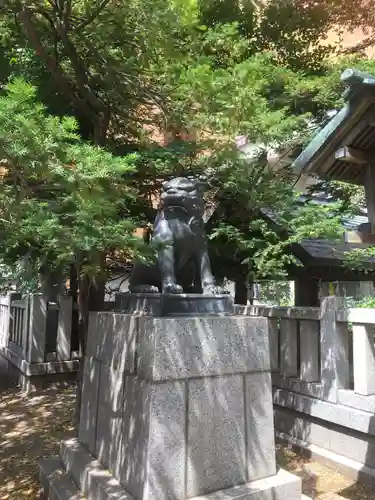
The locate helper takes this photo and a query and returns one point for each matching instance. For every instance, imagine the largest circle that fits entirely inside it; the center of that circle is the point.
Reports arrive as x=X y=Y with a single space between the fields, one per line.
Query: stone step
x=56 y=483
x=93 y=480
x=96 y=483
x=75 y=466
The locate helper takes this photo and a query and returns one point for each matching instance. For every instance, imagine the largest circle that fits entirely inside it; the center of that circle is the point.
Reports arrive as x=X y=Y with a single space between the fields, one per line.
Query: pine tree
x=63 y=203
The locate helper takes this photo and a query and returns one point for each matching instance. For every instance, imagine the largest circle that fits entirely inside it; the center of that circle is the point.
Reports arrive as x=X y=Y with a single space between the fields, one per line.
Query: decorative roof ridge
x=360 y=87
x=355 y=80
x=353 y=76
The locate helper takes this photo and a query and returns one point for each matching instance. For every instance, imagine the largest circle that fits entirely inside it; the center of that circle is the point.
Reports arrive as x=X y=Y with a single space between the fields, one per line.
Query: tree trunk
x=83 y=305
x=97 y=294
x=241 y=291
x=90 y=298
x=51 y=283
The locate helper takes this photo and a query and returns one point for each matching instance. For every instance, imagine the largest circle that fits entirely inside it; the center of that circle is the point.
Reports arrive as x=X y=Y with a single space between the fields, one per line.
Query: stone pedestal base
x=177 y=408
x=75 y=471
x=172 y=305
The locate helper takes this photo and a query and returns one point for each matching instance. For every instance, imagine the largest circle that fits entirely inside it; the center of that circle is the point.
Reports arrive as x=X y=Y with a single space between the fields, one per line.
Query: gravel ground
x=318 y=481
x=31 y=427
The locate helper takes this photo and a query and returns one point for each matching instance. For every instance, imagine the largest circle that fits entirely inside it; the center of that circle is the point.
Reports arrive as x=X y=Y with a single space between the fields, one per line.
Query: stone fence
x=37 y=339
x=323 y=364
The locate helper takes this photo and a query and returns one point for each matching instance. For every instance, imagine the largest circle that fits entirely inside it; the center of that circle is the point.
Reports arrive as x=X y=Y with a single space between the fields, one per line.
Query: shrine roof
x=346 y=143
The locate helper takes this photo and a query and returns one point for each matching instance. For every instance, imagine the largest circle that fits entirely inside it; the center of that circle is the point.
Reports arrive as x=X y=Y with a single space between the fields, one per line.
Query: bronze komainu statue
x=183 y=265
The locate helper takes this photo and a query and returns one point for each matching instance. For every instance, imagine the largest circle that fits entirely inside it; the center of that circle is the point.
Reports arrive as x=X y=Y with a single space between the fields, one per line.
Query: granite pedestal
x=174 y=305
x=172 y=409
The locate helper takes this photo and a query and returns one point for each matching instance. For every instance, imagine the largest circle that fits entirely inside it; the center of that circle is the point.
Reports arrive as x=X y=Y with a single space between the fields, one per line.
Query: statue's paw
x=172 y=288
x=214 y=290
x=144 y=289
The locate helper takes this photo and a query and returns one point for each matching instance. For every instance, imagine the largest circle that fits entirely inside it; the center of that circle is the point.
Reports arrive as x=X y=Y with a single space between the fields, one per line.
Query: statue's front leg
x=207 y=279
x=166 y=259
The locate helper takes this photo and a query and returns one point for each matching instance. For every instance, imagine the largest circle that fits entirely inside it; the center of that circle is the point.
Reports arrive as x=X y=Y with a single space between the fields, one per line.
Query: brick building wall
x=346 y=40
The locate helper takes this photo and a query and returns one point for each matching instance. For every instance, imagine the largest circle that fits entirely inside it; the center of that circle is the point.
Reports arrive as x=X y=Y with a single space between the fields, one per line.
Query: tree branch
x=54 y=32
x=67 y=11
x=87 y=102
x=102 y=111
x=359 y=47
x=93 y=15
x=26 y=18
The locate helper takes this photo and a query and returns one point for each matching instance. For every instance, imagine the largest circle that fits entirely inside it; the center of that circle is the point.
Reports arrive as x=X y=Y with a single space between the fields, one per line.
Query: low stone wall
x=323 y=362
x=36 y=341
x=343 y=448
x=30 y=377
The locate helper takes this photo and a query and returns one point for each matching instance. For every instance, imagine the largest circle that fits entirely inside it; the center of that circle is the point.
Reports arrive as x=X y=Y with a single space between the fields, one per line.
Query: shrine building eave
x=346 y=145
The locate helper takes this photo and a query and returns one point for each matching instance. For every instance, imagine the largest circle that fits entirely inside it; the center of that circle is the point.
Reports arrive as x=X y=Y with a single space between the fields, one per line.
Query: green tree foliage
x=294 y=29
x=255 y=228
x=275 y=293
x=96 y=60
x=217 y=68
x=62 y=202
x=258 y=216
x=98 y=63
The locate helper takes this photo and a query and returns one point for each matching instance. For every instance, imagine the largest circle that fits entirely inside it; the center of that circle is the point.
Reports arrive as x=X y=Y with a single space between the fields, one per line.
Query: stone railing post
x=64 y=327
x=309 y=350
x=273 y=330
x=288 y=348
x=364 y=359
x=334 y=349
x=7 y=322
x=4 y=322
x=363 y=324
x=37 y=329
